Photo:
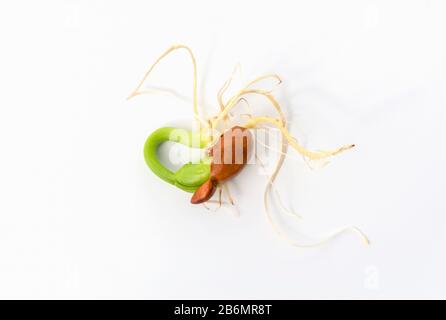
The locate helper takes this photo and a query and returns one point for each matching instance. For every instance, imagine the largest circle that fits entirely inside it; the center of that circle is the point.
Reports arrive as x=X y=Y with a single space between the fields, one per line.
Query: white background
x=81 y=216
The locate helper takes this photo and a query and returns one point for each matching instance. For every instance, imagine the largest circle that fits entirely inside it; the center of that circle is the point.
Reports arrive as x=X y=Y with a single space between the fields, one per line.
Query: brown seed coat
x=229 y=156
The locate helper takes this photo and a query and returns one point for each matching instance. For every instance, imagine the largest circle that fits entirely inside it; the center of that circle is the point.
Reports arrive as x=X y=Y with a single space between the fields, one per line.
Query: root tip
x=131 y=96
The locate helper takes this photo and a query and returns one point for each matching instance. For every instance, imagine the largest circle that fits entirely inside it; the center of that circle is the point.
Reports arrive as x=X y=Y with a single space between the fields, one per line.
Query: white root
x=138 y=91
